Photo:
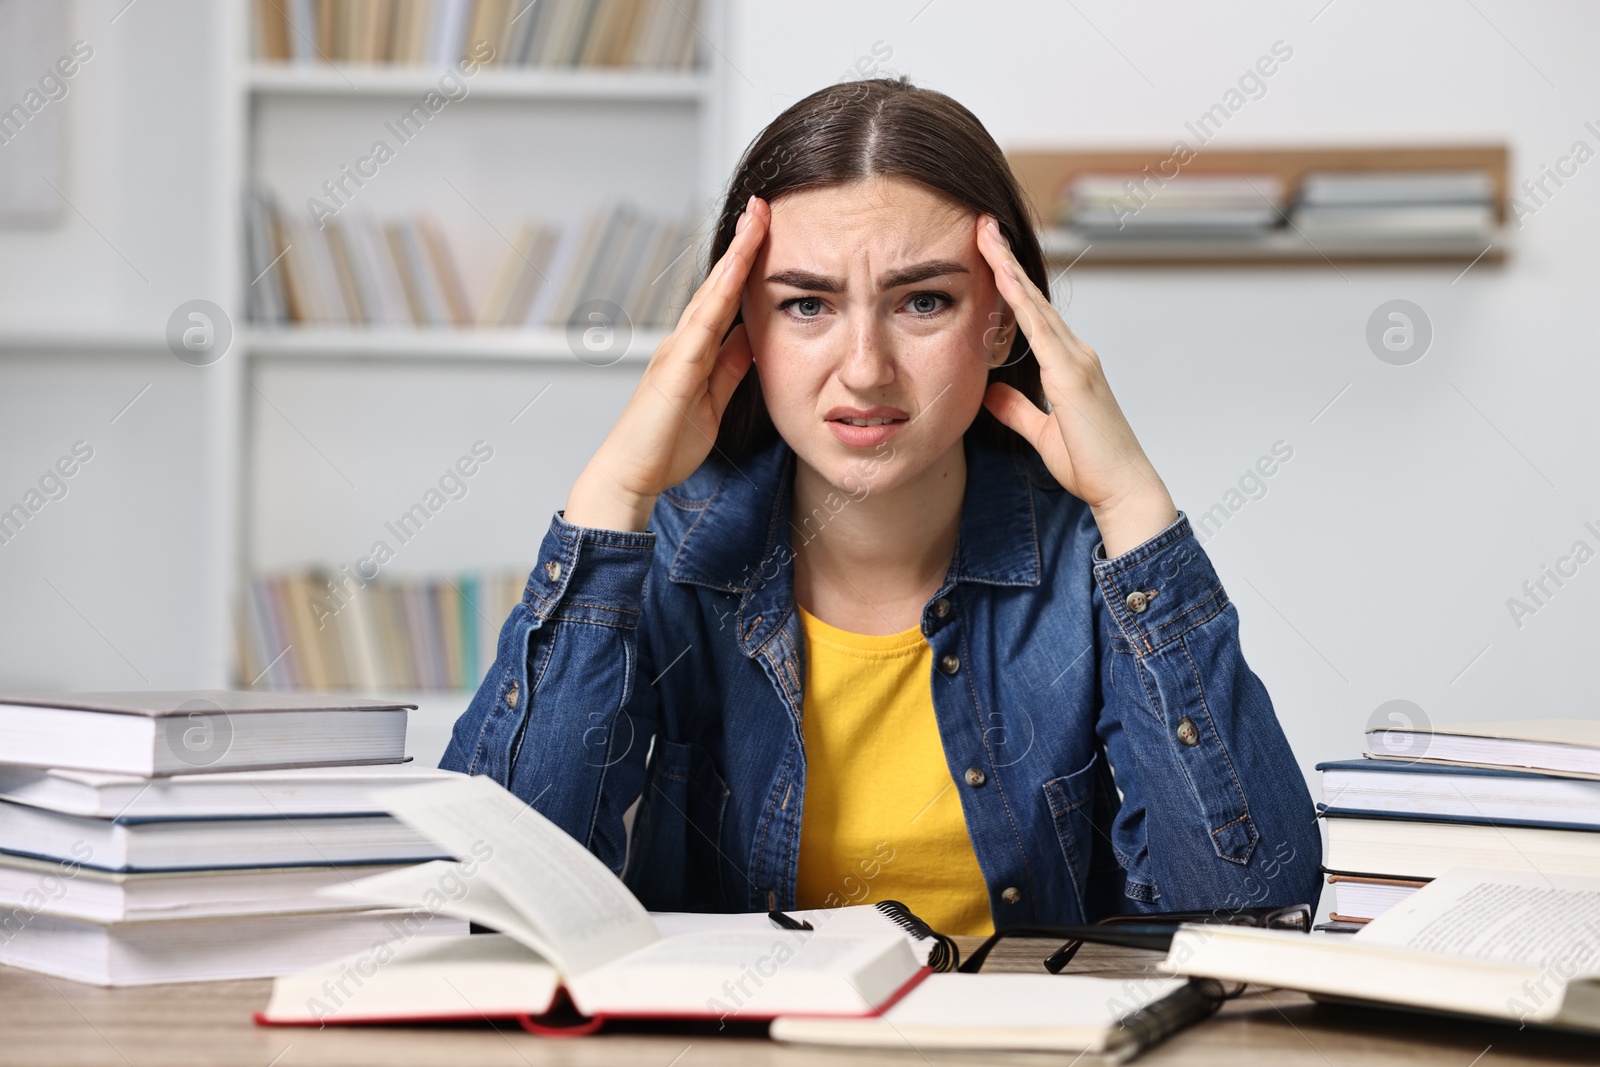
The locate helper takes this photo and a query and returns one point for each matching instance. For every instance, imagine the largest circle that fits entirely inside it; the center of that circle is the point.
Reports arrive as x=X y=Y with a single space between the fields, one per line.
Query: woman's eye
x=927 y=303
x=807 y=307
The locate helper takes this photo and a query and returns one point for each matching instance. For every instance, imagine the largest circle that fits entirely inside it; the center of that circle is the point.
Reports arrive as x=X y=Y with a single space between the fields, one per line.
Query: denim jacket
x=1111 y=749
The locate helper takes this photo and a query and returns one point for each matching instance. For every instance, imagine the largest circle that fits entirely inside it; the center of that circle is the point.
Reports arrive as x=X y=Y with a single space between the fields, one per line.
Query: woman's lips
x=864 y=436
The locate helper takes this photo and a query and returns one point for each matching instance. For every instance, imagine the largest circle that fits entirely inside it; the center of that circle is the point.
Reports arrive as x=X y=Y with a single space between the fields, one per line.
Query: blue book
x=1389 y=788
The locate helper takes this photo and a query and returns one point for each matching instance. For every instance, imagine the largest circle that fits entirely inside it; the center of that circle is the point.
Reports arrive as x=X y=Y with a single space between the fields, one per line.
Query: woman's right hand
x=670 y=423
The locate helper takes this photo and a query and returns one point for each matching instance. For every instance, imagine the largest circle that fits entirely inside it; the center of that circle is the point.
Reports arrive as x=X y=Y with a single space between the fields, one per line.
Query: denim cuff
x=1162 y=589
x=591 y=575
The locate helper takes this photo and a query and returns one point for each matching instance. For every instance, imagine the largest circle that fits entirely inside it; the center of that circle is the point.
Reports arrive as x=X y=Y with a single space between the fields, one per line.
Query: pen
x=788 y=922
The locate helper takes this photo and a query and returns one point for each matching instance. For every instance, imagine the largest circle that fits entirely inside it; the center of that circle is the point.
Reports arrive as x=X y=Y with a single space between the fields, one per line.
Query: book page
x=445 y=887
x=853 y=920
x=1506 y=916
x=582 y=911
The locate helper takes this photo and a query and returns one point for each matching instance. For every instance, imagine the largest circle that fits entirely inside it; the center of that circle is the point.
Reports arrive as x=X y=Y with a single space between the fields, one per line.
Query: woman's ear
x=998 y=336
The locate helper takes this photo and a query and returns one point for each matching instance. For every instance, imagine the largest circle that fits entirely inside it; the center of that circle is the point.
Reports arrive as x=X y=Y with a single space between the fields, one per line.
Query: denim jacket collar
x=741 y=543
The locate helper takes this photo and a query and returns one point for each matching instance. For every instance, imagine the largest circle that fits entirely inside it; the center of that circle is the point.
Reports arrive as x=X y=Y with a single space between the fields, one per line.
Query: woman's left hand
x=1084 y=440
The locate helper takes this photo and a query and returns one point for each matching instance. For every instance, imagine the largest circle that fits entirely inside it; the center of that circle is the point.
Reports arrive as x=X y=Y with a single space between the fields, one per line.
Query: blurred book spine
x=324 y=630
x=643 y=34
x=357 y=270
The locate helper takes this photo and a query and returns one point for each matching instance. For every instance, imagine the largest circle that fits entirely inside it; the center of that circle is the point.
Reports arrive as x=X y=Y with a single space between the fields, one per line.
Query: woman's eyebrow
x=917 y=272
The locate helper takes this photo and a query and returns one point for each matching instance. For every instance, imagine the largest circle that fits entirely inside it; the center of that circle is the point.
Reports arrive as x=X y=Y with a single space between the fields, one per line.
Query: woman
x=853 y=618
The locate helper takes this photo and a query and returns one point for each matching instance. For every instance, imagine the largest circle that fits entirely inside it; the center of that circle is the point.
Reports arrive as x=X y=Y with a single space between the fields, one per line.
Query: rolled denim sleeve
x=1215 y=812
x=562 y=718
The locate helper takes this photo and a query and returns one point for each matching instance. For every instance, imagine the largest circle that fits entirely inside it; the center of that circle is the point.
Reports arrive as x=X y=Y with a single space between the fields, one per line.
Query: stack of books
x=656 y=34
x=314 y=630
x=1211 y=206
x=1518 y=796
x=353 y=269
x=1399 y=205
x=168 y=837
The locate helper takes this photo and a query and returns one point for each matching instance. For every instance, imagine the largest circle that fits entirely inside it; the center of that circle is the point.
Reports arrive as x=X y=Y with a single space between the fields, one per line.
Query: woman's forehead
x=879 y=225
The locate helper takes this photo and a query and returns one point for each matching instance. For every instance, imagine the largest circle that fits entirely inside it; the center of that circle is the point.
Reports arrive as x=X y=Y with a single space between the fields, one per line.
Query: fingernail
x=750 y=205
x=744 y=219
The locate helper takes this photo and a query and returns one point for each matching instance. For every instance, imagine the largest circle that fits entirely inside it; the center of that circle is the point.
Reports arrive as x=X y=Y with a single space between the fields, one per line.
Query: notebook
x=570 y=930
x=1510 y=946
x=197 y=731
x=999 y=1012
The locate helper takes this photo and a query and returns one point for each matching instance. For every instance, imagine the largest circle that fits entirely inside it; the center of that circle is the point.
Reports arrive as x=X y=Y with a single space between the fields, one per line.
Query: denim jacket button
x=941 y=607
x=976 y=777
x=949 y=664
x=552 y=570
x=1187 y=734
x=1011 y=894
x=1137 y=601
x=511 y=695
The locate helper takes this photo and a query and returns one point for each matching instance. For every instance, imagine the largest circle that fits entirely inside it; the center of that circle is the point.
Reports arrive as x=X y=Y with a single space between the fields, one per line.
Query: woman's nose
x=867 y=362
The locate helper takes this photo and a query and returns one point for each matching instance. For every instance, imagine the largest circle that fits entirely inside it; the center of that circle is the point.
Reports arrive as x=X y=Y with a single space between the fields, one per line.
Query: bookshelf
x=527 y=141
x=1045 y=173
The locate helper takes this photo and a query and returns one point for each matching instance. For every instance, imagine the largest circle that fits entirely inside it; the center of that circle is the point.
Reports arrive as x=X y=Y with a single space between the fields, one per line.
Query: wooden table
x=54 y=1023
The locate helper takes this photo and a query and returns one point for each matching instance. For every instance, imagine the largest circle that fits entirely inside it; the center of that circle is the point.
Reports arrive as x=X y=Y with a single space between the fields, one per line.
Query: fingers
x=717 y=300
x=733 y=363
x=1016 y=411
x=1020 y=292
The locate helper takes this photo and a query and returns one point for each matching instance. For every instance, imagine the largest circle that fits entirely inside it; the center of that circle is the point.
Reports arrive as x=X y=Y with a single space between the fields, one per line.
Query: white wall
x=1379 y=563
x=130 y=550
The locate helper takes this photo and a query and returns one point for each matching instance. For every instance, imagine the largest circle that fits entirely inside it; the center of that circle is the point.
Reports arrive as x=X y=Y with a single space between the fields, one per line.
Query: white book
x=211 y=949
x=1356 y=897
x=1426 y=848
x=578 y=927
x=189 y=844
x=1511 y=946
x=67 y=889
x=290 y=792
x=194 y=731
x=1397 y=221
x=449 y=34
x=997 y=1012
x=1395 y=186
x=1454 y=791
x=365 y=236
x=1550 y=746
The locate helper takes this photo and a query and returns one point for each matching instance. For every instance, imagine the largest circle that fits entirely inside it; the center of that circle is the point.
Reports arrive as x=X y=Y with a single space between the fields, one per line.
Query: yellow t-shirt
x=882 y=817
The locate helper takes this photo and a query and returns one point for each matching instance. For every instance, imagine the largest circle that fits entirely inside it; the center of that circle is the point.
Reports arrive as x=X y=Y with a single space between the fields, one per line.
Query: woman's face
x=872 y=301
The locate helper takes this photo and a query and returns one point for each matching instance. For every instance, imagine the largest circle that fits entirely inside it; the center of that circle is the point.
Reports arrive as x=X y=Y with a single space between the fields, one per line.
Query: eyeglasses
x=1153 y=930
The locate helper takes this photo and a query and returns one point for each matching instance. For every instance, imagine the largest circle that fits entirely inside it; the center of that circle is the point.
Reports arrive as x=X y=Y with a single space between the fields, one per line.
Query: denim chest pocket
x=675 y=858
x=1071 y=799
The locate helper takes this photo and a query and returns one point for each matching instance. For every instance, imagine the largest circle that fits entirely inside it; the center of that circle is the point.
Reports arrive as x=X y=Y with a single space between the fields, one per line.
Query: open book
x=567 y=923
x=1500 y=945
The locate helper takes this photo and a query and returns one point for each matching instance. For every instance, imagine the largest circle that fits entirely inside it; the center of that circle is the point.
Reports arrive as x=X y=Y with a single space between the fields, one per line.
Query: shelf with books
x=650 y=34
x=548 y=344
x=1273 y=206
x=497 y=83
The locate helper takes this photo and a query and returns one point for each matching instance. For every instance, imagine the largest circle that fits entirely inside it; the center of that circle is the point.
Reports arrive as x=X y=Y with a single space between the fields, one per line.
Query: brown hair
x=875 y=127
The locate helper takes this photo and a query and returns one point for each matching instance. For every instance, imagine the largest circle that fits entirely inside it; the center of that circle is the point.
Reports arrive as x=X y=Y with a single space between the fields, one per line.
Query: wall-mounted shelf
x=1044 y=174
x=1285 y=246
x=503 y=83
x=534 y=346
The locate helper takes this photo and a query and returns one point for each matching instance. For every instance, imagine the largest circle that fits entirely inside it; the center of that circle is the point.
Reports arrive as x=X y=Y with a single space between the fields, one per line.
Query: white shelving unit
x=546 y=345
x=331 y=430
